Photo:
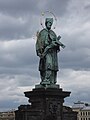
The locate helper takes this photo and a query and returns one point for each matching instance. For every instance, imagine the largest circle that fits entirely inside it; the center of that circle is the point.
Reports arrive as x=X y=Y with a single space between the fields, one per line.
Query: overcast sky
x=19 y=22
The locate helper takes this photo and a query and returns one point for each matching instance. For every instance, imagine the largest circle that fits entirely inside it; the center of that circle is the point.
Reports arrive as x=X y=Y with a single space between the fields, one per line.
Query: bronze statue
x=47 y=47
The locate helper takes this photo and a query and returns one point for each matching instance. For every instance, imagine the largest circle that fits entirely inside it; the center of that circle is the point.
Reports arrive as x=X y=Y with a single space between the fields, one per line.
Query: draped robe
x=46 y=46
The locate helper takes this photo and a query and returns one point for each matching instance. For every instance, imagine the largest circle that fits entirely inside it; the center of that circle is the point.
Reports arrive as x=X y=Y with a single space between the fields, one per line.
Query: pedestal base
x=46 y=104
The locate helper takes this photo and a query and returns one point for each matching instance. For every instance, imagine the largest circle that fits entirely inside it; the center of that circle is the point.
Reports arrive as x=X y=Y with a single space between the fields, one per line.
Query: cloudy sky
x=19 y=22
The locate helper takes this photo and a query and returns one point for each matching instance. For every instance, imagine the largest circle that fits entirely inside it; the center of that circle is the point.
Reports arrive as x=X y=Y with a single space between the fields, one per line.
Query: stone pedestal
x=46 y=104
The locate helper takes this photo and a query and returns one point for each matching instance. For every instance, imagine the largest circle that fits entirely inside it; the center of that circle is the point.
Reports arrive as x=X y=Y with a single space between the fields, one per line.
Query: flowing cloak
x=46 y=39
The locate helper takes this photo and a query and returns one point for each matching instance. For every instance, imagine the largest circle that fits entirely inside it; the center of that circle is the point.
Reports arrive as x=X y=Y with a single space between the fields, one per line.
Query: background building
x=83 y=110
x=9 y=115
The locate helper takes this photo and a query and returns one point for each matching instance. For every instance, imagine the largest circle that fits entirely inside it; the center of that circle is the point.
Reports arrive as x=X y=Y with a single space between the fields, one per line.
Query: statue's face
x=48 y=25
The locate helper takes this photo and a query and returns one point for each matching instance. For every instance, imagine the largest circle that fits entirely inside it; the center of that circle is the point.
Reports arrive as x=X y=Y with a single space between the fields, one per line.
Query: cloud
x=12 y=88
x=22 y=7
x=20 y=19
x=16 y=53
x=77 y=82
x=59 y=7
x=17 y=27
x=18 y=7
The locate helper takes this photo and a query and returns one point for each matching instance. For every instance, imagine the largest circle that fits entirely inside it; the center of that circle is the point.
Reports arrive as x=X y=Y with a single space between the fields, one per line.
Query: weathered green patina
x=47 y=47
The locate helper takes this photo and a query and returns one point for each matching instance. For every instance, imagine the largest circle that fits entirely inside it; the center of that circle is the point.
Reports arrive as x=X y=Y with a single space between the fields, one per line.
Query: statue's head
x=48 y=23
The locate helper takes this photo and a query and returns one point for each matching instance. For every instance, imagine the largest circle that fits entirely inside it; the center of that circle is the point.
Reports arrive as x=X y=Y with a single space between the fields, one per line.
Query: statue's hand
x=39 y=54
x=59 y=37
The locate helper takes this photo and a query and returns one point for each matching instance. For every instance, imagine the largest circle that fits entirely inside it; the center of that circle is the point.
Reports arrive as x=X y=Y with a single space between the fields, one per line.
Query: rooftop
x=78 y=105
x=81 y=105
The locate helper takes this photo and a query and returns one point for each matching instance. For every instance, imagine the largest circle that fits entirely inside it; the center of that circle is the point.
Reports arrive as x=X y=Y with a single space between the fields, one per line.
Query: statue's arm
x=51 y=46
x=38 y=50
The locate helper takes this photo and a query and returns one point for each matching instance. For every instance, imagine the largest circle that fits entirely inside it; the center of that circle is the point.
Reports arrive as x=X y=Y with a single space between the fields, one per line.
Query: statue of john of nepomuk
x=47 y=47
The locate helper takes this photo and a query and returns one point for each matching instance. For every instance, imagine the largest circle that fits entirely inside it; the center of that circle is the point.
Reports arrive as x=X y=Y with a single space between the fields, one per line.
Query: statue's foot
x=45 y=82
